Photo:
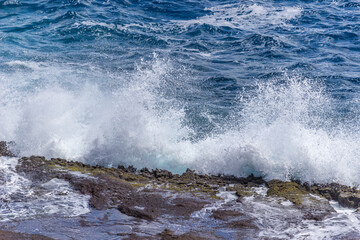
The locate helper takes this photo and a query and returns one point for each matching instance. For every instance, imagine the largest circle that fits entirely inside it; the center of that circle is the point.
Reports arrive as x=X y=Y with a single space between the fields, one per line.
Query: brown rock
x=169 y=235
x=138 y=213
x=7 y=235
x=291 y=191
x=226 y=215
x=4 y=149
x=242 y=224
x=349 y=199
x=186 y=206
x=162 y=174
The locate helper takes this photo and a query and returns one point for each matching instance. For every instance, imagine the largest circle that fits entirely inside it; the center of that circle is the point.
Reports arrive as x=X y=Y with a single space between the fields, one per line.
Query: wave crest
x=285 y=129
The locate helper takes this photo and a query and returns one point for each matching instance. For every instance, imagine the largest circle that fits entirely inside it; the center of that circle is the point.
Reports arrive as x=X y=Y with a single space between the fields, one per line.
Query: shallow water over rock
x=69 y=200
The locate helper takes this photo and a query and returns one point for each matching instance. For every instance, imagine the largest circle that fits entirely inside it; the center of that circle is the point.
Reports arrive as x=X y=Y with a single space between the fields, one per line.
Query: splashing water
x=21 y=199
x=283 y=130
x=286 y=131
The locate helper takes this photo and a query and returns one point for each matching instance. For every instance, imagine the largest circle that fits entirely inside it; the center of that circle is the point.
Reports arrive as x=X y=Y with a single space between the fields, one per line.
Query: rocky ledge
x=160 y=196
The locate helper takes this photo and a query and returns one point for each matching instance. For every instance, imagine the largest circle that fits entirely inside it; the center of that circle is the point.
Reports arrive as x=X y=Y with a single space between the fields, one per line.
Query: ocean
x=223 y=87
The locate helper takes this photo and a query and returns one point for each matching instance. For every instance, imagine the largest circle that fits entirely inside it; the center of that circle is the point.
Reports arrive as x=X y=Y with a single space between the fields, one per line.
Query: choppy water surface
x=235 y=87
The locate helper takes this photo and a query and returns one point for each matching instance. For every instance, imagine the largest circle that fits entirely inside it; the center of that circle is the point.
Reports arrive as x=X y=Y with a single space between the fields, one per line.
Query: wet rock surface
x=119 y=188
x=8 y=235
x=345 y=195
x=4 y=149
x=205 y=206
x=225 y=215
x=170 y=235
x=291 y=191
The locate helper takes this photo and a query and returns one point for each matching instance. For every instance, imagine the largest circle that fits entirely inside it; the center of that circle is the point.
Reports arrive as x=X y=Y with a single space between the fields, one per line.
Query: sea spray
x=290 y=123
x=285 y=128
x=131 y=124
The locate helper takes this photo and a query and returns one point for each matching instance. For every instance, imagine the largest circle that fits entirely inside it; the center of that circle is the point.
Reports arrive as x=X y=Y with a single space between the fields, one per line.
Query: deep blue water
x=269 y=87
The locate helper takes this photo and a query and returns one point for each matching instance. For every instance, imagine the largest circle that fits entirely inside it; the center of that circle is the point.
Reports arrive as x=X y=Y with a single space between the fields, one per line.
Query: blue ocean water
x=234 y=87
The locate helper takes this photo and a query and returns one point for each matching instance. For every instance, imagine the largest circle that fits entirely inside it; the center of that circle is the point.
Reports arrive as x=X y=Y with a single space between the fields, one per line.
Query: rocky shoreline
x=159 y=195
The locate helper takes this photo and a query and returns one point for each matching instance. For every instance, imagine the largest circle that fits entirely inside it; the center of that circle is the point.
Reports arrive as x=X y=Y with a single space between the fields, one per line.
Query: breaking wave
x=285 y=128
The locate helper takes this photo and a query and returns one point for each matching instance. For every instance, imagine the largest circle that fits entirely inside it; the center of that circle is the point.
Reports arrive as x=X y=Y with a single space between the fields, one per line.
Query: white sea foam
x=11 y=2
x=130 y=124
x=284 y=221
x=19 y=199
x=245 y=17
x=26 y=64
x=206 y=211
x=91 y=23
x=284 y=130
